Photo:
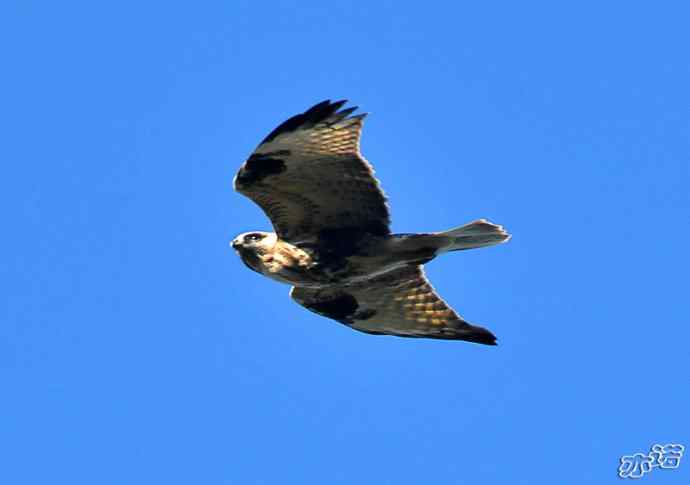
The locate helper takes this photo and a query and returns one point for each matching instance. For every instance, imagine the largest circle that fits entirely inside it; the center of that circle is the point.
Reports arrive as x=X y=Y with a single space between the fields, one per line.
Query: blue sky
x=135 y=348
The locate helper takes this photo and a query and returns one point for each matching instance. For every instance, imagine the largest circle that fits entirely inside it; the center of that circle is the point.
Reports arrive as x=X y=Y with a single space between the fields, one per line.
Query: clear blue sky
x=135 y=348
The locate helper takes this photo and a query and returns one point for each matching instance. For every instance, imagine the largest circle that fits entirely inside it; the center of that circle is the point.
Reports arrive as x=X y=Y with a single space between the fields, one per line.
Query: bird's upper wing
x=401 y=302
x=310 y=179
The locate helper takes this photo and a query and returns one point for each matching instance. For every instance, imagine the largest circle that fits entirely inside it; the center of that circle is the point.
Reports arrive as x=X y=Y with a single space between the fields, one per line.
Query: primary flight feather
x=332 y=240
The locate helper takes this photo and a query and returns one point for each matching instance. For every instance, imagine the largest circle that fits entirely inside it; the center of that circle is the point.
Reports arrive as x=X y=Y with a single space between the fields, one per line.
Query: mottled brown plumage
x=312 y=178
x=332 y=239
x=401 y=302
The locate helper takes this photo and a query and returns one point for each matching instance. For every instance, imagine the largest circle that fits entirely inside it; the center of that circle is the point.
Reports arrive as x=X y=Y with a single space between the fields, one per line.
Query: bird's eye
x=253 y=237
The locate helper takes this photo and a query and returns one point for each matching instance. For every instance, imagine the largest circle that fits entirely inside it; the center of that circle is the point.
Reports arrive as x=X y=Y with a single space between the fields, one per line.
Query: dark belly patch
x=336 y=245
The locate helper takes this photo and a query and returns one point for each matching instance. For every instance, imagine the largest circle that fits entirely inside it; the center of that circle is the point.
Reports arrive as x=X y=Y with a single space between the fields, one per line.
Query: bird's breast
x=288 y=264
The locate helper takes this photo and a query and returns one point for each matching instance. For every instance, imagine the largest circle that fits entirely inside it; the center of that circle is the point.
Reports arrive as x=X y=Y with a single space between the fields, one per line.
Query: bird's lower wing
x=401 y=302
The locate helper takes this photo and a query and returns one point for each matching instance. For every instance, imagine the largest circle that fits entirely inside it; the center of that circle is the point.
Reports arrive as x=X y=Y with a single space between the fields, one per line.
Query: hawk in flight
x=332 y=240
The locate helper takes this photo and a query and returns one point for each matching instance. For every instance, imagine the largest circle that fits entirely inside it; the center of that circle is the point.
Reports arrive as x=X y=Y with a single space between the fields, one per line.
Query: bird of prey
x=332 y=240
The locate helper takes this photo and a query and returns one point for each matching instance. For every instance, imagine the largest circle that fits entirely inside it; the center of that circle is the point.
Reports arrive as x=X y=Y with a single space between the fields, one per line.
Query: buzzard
x=332 y=240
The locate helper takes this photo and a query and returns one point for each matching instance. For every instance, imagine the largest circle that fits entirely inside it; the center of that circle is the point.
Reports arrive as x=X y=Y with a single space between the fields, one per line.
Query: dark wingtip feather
x=336 y=105
x=344 y=113
x=316 y=114
x=478 y=335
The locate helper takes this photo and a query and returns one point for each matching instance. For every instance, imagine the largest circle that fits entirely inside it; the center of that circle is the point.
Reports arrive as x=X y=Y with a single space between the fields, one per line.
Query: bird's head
x=254 y=243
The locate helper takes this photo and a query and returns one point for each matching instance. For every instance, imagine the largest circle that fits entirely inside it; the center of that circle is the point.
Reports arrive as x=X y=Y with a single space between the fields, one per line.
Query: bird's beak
x=235 y=244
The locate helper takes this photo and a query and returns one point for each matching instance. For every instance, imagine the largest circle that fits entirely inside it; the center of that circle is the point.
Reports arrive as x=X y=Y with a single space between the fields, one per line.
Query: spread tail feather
x=477 y=234
x=422 y=248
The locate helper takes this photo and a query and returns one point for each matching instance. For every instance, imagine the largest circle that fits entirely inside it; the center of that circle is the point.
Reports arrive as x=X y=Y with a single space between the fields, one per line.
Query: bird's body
x=332 y=240
x=305 y=266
